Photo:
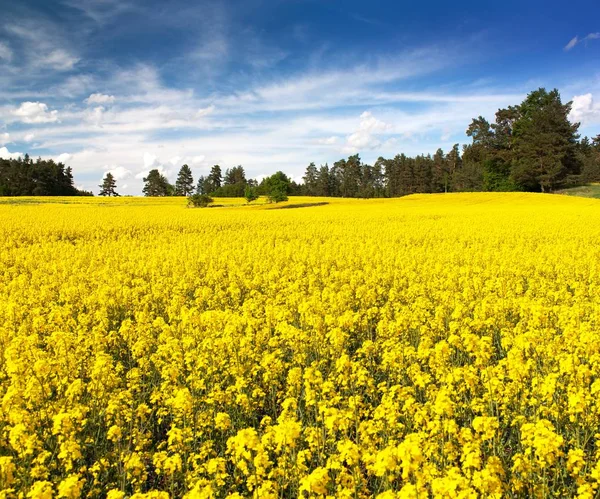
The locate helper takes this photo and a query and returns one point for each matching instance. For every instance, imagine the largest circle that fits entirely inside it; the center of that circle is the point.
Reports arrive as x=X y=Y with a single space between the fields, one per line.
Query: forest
x=26 y=177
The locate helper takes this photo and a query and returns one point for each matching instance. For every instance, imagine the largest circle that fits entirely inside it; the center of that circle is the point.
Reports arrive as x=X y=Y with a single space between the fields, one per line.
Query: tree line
x=231 y=183
x=531 y=146
x=25 y=177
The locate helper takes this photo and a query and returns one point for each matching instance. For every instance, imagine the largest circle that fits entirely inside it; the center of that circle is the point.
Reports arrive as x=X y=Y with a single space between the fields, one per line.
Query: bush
x=250 y=194
x=277 y=195
x=199 y=200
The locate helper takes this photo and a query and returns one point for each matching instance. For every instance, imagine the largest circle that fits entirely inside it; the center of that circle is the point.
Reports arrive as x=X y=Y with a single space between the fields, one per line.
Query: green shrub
x=199 y=200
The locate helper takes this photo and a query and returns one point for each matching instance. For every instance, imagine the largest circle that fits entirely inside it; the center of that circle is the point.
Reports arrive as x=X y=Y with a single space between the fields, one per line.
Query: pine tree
x=544 y=142
x=108 y=186
x=201 y=186
x=311 y=180
x=156 y=184
x=235 y=175
x=214 y=179
x=184 y=185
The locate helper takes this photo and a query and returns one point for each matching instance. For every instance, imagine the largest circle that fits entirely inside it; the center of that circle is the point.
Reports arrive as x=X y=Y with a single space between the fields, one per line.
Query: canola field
x=429 y=346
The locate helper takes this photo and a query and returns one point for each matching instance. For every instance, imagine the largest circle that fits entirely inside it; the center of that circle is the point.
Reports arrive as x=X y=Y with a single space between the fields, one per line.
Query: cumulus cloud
x=369 y=123
x=29 y=137
x=576 y=40
x=5 y=52
x=177 y=161
x=118 y=172
x=365 y=136
x=144 y=173
x=35 y=112
x=100 y=99
x=63 y=158
x=6 y=154
x=4 y=138
x=151 y=162
x=361 y=140
x=95 y=115
x=584 y=109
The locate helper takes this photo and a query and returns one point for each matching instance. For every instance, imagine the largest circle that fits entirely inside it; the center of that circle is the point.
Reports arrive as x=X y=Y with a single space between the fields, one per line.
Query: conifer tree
x=156 y=184
x=184 y=185
x=108 y=186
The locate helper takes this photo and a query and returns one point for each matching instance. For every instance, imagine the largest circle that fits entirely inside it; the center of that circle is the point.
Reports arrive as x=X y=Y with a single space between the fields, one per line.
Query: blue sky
x=129 y=85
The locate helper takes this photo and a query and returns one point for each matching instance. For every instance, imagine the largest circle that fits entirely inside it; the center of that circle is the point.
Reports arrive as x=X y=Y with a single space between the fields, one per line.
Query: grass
x=586 y=191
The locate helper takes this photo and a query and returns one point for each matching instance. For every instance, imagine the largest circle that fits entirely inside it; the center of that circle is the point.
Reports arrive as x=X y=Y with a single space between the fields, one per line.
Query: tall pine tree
x=108 y=186
x=184 y=185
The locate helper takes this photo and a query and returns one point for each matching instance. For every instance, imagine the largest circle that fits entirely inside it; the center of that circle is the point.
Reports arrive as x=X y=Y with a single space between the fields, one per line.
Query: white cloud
x=144 y=173
x=364 y=137
x=175 y=160
x=4 y=138
x=5 y=52
x=95 y=115
x=74 y=86
x=35 y=112
x=215 y=49
x=6 y=154
x=178 y=161
x=29 y=137
x=576 y=40
x=118 y=172
x=369 y=123
x=44 y=43
x=360 y=140
x=60 y=59
x=150 y=160
x=329 y=140
x=584 y=109
x=63 y=158
x=446 y=135
x=205 y=111
x=100 y=99
x=100 y=10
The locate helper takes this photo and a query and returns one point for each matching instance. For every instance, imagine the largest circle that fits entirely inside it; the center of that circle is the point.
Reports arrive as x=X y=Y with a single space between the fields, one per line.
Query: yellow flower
x=7 y=471
x=71 y=487
x=316 y=482
x=222 y=421
x=40 y=490
x=486 y=426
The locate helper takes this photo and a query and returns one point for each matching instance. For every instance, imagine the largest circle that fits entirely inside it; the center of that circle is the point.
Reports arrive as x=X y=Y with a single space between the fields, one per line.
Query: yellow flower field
x=433 y=345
